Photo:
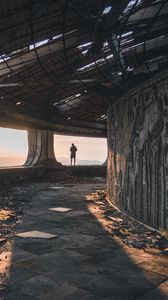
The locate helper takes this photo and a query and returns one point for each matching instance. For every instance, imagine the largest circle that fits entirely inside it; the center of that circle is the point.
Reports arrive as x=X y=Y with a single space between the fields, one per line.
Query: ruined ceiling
x=66 y=61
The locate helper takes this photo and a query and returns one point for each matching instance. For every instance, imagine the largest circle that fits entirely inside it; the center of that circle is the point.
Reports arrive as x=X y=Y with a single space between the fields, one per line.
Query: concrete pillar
x=41 y=148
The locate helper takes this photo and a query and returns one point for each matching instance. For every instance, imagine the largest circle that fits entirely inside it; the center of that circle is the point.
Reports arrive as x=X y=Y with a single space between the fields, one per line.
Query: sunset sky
x=13 y=147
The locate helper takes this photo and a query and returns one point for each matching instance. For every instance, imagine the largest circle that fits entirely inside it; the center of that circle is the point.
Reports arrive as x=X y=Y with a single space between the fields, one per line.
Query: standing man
x=73 y=150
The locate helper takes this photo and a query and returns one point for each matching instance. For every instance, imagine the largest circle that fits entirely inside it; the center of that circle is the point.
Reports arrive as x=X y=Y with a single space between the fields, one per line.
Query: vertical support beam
x=41 y=148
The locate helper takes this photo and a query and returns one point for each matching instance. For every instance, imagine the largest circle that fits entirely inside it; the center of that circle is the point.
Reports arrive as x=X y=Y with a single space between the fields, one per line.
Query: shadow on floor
x=83 y=263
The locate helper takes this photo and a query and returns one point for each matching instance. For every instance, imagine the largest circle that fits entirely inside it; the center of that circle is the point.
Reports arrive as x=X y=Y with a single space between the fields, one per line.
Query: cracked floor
x=81 y=261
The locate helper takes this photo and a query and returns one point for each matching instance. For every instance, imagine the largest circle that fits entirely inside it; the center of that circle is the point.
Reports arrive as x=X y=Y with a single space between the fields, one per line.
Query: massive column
x=138 y=153
x=41 y=148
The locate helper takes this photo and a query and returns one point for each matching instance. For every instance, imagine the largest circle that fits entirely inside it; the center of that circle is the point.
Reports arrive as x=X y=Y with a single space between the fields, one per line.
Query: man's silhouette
x=73 y=150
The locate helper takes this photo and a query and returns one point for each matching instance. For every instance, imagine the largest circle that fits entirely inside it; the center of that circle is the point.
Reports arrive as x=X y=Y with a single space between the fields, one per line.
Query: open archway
x=91 y=151
x=13 y=147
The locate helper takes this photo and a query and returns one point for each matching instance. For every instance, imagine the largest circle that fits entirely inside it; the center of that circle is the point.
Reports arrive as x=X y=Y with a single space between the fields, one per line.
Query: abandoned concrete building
x=96 y=68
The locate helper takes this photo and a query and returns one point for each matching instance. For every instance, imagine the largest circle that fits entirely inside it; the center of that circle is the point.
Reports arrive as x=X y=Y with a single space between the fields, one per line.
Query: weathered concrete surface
x=84 y=262
x=87 y=171
x=138 y=153
x=17 y=175
x=12 y=116
x=41 y=148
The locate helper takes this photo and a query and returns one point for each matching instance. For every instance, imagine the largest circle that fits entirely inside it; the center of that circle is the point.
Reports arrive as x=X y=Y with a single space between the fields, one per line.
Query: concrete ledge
x=87 y=171
x=13 y=175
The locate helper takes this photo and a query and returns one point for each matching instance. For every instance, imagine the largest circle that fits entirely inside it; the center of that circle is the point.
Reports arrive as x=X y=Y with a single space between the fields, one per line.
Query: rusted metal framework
x=66 y=61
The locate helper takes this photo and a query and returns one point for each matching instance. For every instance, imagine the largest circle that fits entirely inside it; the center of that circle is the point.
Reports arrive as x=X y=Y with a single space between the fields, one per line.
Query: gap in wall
x=91 y=151
x=13 y=147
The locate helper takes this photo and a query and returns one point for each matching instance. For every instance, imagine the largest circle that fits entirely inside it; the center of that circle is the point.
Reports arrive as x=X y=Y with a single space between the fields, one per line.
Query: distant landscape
x=6 y=161
x=66 y=161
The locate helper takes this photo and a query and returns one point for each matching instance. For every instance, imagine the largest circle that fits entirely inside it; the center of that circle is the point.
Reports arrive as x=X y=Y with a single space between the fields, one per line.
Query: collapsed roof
x=66 y=61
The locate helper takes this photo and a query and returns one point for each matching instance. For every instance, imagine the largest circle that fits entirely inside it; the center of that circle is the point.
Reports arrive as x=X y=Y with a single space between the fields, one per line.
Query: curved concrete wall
x=138 y=153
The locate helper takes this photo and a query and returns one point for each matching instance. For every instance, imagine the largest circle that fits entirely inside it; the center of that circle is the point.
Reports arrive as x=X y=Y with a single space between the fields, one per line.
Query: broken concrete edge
x=16 y=119
x=55 y=174
x=131 y=218
x=126 y=231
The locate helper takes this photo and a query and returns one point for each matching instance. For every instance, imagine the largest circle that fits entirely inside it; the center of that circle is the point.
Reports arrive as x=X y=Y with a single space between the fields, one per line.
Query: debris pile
x=130 y=231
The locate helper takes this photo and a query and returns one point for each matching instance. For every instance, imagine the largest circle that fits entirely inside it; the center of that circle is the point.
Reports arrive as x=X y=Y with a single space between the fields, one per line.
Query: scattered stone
x=115 y=219
x=99 y=255
x=152 y=251
x=131 y=232
x=3 y=241
x=137 y=244
x=165 y=251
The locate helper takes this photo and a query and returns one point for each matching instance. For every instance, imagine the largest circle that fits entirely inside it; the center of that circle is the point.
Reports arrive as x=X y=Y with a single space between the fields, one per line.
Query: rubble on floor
x=131 y=232
x=86 y=258
x=15 y=200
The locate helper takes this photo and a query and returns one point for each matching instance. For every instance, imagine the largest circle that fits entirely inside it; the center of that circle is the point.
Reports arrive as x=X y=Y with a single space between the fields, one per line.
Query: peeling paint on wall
x=138 y=154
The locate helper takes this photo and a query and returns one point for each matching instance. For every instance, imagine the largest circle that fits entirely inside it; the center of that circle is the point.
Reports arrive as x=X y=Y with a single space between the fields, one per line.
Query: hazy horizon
x=14 y=148
x=7 y=161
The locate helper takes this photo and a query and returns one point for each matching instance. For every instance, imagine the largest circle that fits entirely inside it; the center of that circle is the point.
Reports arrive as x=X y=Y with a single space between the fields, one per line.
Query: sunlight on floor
x=5 y=264
x=145 y=262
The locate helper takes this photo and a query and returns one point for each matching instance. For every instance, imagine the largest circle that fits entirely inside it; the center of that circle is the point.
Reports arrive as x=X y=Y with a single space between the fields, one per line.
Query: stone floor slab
x=160 y=292
x=56 y=187
x=43 y=288
x=37 y=234
x=78 y=213
x=60 y=209
x=20 y=256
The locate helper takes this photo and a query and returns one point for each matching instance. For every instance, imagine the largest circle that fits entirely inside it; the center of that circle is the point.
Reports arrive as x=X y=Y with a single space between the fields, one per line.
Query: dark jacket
x=73 y=150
